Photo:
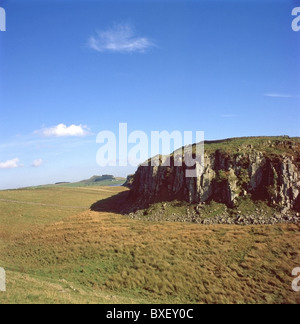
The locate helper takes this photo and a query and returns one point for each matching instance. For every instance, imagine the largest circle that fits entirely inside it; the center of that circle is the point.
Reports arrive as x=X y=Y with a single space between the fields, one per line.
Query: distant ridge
x=94 y=181
x=104 y=180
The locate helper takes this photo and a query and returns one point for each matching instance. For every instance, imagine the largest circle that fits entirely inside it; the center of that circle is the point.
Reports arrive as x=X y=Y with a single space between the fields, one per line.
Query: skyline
x=71 y=70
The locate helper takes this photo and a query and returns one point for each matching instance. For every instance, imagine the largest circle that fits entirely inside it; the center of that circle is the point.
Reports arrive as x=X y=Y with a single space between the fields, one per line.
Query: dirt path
x=40 y=204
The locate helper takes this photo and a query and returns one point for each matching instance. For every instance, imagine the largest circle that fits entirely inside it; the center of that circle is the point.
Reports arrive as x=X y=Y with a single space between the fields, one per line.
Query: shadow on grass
x=125 y=203
x=121 y=203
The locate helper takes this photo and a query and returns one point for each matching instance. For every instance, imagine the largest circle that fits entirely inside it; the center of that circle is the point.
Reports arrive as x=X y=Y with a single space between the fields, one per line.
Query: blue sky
x=229 y=68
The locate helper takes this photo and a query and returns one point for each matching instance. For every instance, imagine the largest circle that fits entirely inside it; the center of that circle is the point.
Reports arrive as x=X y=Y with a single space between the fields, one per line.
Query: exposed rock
x=227 y=219
x=249 y=170
x=129 y=181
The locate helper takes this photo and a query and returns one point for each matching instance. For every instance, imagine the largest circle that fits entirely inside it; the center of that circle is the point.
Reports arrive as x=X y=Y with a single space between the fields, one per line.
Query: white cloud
x=120 y=38
x=62 y=130
x=37 y=163
x=11 y=164
x=279 y=95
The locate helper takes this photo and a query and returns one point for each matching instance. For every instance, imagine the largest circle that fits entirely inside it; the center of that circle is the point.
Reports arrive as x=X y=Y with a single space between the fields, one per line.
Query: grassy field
x=56 y=250
x=103 y=183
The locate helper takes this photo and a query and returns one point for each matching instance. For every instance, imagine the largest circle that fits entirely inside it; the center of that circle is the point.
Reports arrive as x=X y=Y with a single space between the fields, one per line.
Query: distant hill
x=104 y=180
x=95 y=181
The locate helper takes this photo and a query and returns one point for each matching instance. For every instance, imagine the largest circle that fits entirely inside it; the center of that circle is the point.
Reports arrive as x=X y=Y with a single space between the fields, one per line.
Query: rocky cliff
x=129 y=181
x=263 y=169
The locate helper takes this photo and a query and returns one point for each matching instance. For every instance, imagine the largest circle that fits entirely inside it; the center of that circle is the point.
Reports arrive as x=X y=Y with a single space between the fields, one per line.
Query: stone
x=280 y=174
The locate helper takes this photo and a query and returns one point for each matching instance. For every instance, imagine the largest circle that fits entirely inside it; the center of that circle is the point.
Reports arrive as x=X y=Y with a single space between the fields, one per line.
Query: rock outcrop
x=262 y=168
x=129 y=181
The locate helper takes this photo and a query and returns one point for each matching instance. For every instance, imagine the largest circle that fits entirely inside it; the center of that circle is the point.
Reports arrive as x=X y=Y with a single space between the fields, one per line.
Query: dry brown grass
x=29 y=289
x=104 y=254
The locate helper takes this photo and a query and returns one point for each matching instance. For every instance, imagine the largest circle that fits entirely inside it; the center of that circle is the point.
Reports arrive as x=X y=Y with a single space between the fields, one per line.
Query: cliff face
x=129 y=181
x=266 y=170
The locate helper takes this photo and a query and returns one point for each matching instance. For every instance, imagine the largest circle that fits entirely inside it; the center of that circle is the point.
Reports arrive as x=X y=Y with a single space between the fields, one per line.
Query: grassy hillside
x=56 y=250
x=22 y=210
x=269 y=145
x=95 y=181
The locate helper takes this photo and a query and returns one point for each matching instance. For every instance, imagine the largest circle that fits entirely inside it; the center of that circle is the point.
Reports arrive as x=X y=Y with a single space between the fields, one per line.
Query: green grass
x=169 y=209
x=276 y=145
x=103 y=183
x=177 y=210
